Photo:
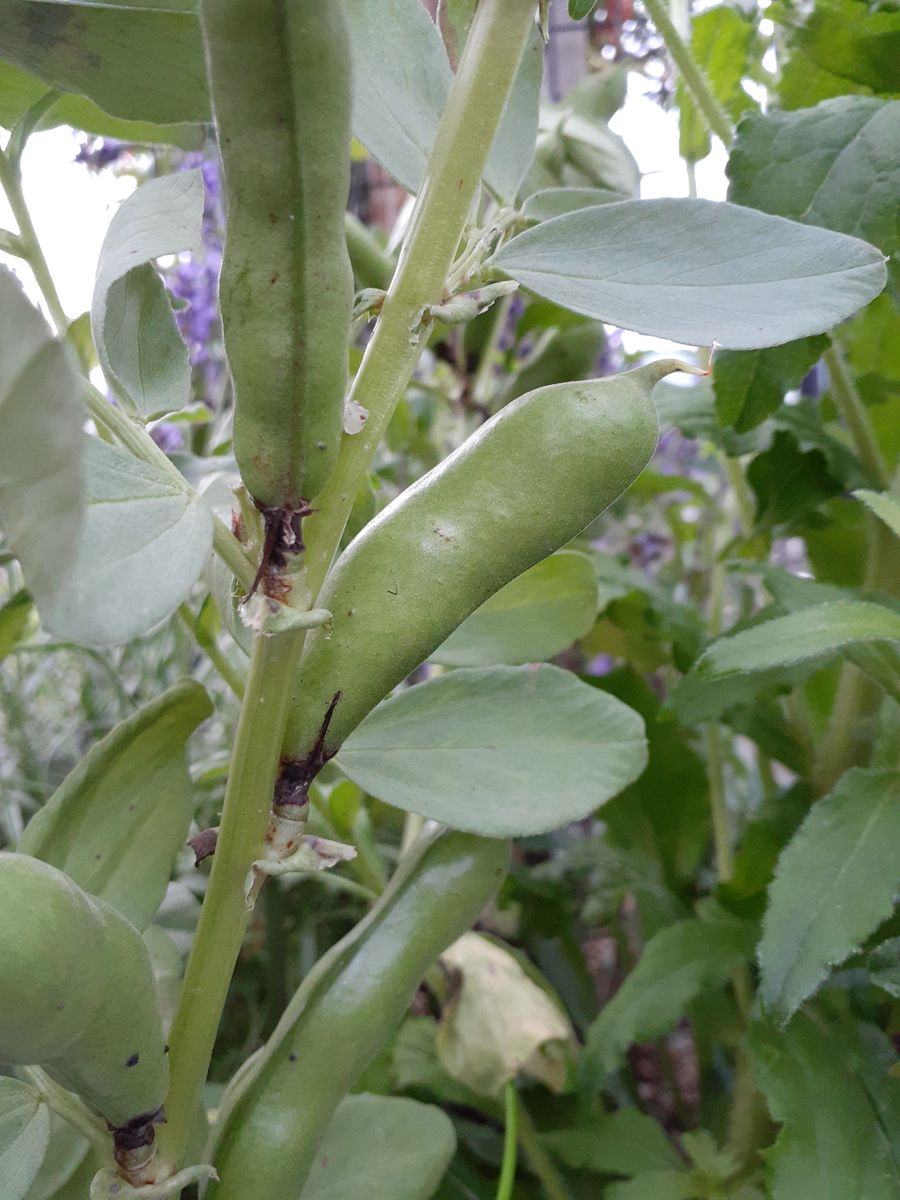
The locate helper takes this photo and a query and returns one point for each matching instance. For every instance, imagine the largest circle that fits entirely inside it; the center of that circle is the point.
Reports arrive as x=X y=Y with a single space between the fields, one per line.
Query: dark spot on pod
x=292 y=1057
x=133 y=1061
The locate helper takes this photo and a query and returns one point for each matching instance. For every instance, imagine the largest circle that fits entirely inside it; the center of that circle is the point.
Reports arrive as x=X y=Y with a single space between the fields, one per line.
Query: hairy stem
x=31 y=251
x=853 y=410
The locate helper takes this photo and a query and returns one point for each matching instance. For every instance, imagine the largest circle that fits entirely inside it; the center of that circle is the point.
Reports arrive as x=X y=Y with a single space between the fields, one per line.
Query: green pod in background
x=77 y=997
x=525 y=484
x=279 y=73
x=279 y=1106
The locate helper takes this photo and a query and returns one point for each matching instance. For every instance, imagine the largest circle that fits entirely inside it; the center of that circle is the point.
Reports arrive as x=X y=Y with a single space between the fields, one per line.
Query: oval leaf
x=554 y=202
x=834 y=885
x=696 y=271
x=143 y=547
x=140 y=349
x=501 y=751
x=116 y=822
x=533 y=618
x=24 y=1137
x=383 y=1148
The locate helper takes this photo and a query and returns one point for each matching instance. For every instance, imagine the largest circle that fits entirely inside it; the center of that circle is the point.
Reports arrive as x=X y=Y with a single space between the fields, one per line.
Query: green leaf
x=65 y=1154
x=140 y=349
x=554 y=202
x=41 y=415
x=579 y=9
x=750 y=384
x=135 y=61
x=627 y=1142
x=884 y=966
x=836 y=165
x=677 y=964
x=24 y=1137
x=849 y=39
x=532 y=619
x=657 y=1185
x=19 y=90
x=499 y=751
x=513 y=147
x=789 y=482
x=720 y=43
x=696 y=271
x=833 y=886
x=144 y=545
x=116 y=822
x=882 y=505
x=383 y=1148
x=828 y=1085
x=719 y=680
x=15 y=621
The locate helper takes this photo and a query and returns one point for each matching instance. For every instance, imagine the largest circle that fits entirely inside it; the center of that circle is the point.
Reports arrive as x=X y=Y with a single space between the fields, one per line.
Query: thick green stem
x=853 y=410
x=224 y=916
x=478 y=97
x=31 y=251
x=692 y=74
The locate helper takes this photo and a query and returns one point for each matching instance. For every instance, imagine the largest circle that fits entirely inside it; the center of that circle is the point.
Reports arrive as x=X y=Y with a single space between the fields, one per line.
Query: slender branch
x=211 y=649
x=11 y=182
x=695 y=80
x=477 y=99
x=72 y=1109
x=853 y=410
x=538 y=1159
x=510 y=1142
x=224 y=915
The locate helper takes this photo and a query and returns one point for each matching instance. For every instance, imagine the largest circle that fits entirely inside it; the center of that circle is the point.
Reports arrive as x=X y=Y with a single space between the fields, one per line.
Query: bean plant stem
x=477 y=99
x=853 y=410
x=691 y=72
x=510 y=1142
x=224 y=915
x=211 y=649
x=72 y=1109
x=538 y=1159
x=11 y=182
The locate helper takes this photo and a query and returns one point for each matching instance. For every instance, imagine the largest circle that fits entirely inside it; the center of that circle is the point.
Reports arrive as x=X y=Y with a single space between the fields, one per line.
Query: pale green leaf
x=696 y=271
x=143 y=546
x=718 y=679
x=532 y=619
x=383 y=1148
x=554 y=202
x=834 y=885
x=883 y=505
x=498 y=751
x=677 y=964
x=24 y=1137
x=137 y=61
x=627 y=1142
x=836 y=165
x=65 y=1154
x=828 y=1086
x=140 y=349
x=41 y=415
x=116 y=822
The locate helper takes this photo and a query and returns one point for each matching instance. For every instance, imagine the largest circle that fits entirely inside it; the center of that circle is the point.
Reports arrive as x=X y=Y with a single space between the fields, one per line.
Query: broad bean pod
x=279 y=73
x=78 y=998
x=346 y=1008
x=527 y=482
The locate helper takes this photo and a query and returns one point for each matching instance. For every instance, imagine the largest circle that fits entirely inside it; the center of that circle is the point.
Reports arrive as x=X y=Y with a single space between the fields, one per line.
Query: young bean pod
x=345 y=1010
x=77 y=997
x=526 y=483
x=279 y=73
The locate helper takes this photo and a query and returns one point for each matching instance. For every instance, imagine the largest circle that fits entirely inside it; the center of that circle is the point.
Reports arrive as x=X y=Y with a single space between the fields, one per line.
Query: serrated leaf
x=383 y=1148
x=677 y=964
x=836 y=165
x=750 y=384
x=833 y=886
x=851 y=41
x=827 y=1083
x=883 y=505
x=143 y=546
x=24 y=1137
x=498 y=751
x=696 y=271
x=719 y=680
x=627 y=1142
x=789 y=482
x=116 y=822
x=41 y=414
x=532 y=619
x=140 y=349
x=884 y=966
x=134 y=61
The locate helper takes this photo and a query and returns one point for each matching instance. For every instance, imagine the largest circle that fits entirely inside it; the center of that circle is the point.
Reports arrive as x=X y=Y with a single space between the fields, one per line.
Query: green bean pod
x=78 y=998
x=345 y=1010
x=279 y=73
x=526 y=483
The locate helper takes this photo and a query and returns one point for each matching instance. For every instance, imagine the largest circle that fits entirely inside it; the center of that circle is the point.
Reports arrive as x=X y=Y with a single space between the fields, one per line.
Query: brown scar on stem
x=283 y=538
x=295 y=776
